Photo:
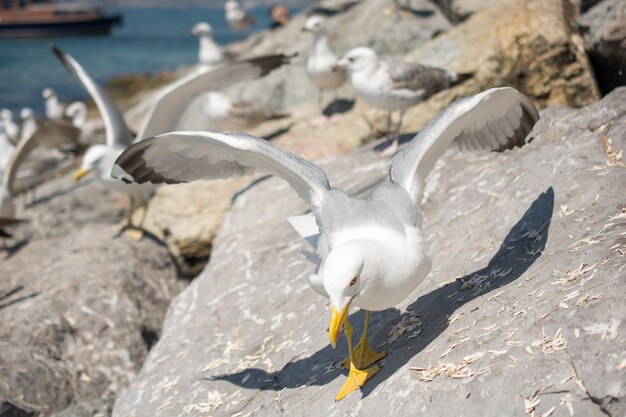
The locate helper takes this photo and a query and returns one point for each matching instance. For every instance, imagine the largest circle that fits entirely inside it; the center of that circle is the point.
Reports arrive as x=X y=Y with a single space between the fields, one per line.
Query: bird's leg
x=388 y=130
x=129 y=218
x=136 y=232
x=364 y=355
x=356 y=377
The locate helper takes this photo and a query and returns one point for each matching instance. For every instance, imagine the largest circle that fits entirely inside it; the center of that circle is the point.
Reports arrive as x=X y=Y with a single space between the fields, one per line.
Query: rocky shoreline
x=522 y=311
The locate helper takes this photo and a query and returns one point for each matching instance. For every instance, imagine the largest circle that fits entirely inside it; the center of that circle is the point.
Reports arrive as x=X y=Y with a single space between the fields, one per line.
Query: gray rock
x=94 y=408
x=78 y=313
x=524 y=303
x=604 y=32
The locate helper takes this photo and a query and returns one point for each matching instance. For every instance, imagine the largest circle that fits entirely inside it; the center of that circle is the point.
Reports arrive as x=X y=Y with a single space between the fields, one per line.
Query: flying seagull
x=394 y=85
x=165 y=111
x=370 y=251
x=322 y=62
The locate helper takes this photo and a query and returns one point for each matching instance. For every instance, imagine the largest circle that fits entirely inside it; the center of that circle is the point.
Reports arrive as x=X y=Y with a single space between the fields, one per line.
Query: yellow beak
x=336 y=322
x=78 y=175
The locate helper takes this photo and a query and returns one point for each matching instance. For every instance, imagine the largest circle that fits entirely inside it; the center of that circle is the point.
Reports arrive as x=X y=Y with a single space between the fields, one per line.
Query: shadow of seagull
x=338 y=106
x=522 y=246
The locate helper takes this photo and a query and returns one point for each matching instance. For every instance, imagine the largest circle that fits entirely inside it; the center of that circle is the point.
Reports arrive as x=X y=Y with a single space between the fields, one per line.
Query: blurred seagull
x=29 y=124
x=163 y=116
x=11 y=129
x=6 y=149
x=228 y=115
x=394 y=85
x=238 y=19
x=209 y=53
x=322 y=63
x=54 y=108
x=78 y=113
x=36 y=158
x=369 y=251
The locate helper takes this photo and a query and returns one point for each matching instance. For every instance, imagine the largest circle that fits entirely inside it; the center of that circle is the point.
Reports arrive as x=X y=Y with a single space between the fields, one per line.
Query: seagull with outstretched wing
x=369 y=251
x=164 y=114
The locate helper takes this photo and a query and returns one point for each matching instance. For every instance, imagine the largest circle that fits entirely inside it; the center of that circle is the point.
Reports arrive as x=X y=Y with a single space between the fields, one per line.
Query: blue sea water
x=150 y=40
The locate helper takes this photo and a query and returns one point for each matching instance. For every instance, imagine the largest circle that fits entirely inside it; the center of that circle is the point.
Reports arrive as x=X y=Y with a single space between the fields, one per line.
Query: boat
x=36 y=19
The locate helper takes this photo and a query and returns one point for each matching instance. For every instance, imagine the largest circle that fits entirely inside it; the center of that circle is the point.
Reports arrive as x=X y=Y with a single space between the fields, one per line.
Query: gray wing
x=188 y=156
x=494 y=120
x=171 y=102
x=413 y=76
x=51 y=134
x=117 y=132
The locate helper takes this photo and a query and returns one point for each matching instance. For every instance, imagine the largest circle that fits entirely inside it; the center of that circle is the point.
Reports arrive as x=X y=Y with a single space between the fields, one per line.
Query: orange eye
x=353 y=281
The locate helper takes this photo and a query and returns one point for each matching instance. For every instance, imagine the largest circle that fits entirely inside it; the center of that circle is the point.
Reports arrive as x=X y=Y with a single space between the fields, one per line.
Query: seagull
x=11 y=129
x=238 y=19
x=35 y=158
x=165 y=111
x=6 y=148
x=226 y=114
x=322 y=63
x=209 y=53
x=394 y=85
x=369 y=251
x=77 y=112
x=54 y=108
x=29 y=124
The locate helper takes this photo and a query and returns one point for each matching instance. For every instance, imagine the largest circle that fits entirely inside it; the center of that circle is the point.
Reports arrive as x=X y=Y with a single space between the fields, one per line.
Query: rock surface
x=78 y=313
x=604 y=32
x=522 y=312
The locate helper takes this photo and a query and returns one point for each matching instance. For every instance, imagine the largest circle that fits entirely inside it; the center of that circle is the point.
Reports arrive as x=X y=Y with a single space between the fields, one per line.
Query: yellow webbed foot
x=356 y=379
x=364 y=356
x=135 y=234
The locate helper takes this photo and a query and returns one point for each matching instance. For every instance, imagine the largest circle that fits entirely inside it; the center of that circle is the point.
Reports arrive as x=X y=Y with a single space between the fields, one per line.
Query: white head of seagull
x=315 y=24
x=359 y=59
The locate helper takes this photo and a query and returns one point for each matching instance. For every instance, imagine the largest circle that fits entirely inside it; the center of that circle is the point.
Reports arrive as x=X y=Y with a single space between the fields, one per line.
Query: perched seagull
x=165 y=111
x=6 y=149
x=210 y=53
x=238 y=19
x=370 y=251
x=394 y=85
x=29 y=124
x=77 y=112
x=228 y=115
x=11 y=129
x=322 y=63
x=54 y=108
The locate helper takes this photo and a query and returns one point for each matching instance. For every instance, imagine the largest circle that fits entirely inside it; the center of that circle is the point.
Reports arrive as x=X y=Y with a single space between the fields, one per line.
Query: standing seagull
x=238 y=19
x=370 y=250
x=322 y=63
x=395 y=85
x=11 y=129
x=54 y=108
x=165 y=111
x=209 y=52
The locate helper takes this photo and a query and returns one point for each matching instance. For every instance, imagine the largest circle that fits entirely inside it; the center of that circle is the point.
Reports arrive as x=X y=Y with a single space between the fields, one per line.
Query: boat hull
x=98 y=26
